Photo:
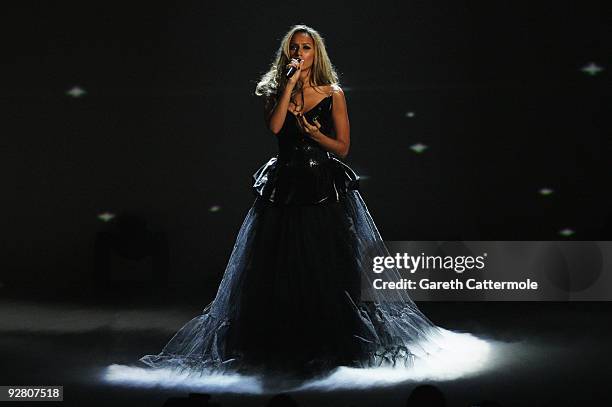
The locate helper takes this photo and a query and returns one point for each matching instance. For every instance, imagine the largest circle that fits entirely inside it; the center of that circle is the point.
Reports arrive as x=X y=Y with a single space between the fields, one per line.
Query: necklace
x=302 y=93
x=298 y=107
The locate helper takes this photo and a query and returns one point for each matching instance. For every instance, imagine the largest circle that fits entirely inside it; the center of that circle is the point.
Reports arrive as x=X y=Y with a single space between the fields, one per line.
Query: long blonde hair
x=322 y=72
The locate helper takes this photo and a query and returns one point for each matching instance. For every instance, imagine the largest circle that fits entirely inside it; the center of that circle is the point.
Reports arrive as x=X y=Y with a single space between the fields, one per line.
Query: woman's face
x=302 y=46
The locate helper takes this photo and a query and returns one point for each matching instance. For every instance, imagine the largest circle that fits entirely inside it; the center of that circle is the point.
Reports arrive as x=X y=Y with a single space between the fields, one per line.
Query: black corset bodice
x=303 y=173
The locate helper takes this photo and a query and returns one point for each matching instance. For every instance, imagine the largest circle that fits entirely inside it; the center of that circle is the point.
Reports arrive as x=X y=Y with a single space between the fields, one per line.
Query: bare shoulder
x=337 y=95
x=336 y=89
x=328 y=89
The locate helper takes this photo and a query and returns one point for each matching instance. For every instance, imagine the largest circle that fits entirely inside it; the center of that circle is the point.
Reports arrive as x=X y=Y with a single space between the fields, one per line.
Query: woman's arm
x=276 y=118
x=340 y=145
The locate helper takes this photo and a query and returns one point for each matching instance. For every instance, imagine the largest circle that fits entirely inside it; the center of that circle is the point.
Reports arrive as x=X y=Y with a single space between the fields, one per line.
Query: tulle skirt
x=296 y=297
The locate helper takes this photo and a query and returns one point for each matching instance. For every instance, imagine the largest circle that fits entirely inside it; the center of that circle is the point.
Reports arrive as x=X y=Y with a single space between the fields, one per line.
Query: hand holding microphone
x=294 y=66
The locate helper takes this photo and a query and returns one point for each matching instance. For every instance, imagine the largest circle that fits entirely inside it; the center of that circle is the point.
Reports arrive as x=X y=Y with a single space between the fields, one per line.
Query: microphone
x=292 y=69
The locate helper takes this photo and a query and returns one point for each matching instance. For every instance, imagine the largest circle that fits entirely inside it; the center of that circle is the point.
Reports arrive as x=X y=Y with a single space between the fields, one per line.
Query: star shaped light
x=546 y=191
x=76 y=92
x=418 y=147
x=592 y=69
x=106 y=216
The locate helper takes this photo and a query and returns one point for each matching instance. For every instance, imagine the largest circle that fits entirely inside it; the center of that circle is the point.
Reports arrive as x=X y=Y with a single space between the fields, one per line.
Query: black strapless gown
x=290 y=300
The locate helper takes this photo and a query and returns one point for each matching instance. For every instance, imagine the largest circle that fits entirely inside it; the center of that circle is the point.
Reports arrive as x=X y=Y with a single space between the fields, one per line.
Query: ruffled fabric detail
x=292 y=300
x=309 y=181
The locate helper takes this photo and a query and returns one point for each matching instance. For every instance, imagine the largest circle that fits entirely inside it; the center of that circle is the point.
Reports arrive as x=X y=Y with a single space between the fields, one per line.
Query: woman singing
x=296 y=297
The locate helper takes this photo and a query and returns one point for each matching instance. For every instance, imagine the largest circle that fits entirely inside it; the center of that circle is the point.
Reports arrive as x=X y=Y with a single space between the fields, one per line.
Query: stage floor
x=542 y=354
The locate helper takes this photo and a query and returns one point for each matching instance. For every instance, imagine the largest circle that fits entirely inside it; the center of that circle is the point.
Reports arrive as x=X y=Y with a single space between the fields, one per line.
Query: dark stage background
x=169 y=130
